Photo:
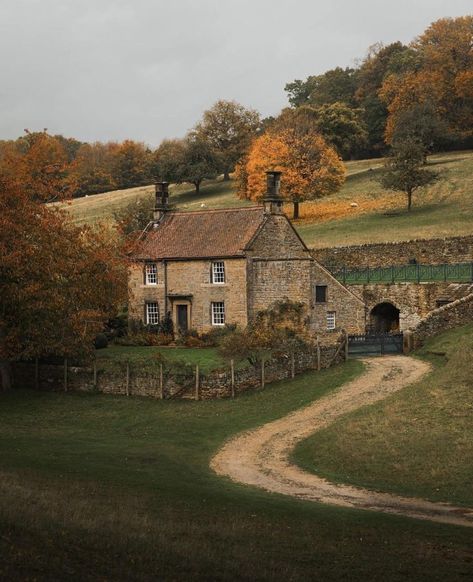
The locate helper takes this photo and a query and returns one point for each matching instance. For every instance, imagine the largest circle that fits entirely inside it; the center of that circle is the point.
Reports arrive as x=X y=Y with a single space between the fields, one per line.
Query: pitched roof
x=201 y=234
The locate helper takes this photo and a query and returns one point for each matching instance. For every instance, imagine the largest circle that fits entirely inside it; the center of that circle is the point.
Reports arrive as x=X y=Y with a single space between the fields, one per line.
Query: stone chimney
x=162 y=200
x=273 y=203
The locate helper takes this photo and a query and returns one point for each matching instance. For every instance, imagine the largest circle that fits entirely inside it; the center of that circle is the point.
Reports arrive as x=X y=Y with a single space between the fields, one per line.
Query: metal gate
x=375 y=344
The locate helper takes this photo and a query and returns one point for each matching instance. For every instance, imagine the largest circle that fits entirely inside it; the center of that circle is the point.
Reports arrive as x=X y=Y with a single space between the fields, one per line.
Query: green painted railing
x=453 y=273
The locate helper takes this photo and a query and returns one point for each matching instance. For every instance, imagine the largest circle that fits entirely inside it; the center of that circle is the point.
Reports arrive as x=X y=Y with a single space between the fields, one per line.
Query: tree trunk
x=295 y=213
x=226 y=176
x=197 y=186
x=6 y=376
x=409 y=201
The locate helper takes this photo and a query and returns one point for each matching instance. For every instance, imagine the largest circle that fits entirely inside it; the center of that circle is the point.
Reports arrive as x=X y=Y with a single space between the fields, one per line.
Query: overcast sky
x=146 y=69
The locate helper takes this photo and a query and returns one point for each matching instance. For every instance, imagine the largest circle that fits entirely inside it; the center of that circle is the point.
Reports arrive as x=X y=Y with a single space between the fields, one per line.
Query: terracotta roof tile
x=206 y=233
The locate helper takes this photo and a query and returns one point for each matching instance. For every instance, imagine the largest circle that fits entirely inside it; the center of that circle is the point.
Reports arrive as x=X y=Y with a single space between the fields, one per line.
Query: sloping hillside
x=361 y=212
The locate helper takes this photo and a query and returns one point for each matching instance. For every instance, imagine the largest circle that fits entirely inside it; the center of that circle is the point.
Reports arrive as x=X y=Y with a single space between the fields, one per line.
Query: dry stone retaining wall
x=454 y=314
x=425 y=251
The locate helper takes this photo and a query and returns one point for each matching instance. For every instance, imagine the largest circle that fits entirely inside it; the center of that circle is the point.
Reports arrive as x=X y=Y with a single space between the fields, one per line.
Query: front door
x=182 y=319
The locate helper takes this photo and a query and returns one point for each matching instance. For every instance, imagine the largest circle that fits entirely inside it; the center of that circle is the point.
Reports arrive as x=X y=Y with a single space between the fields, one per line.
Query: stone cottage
x=212 y=267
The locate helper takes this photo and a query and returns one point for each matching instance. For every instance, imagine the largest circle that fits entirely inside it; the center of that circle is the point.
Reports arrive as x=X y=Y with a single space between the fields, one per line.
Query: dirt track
x=261 y=457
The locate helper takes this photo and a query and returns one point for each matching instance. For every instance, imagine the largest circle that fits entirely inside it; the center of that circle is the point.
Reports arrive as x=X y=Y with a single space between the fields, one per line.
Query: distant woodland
x=423 y=90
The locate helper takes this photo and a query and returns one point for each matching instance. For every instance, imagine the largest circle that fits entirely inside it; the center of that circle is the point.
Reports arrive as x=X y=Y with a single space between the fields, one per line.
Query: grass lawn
x=444 y=209
x=208 y=359
x=418 y=442
x=101 y=487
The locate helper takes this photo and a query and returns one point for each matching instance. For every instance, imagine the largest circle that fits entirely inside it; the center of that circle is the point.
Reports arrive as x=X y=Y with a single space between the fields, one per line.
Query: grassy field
x=445 y=209
x=96 y=487
x=418 y=442
x=207 y=359
x=214 y=194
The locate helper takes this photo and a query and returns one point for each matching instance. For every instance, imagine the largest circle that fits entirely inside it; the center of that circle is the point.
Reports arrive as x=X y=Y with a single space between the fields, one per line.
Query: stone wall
x=189 y=283
x=413 y=301
x=349 y=308
x=214 y=385
x=294 y=275
x=425 y=251
x=454 y=314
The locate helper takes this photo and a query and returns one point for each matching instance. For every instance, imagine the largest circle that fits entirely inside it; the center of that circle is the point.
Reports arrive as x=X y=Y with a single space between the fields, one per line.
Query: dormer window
x=218 y=272
x=151 y=274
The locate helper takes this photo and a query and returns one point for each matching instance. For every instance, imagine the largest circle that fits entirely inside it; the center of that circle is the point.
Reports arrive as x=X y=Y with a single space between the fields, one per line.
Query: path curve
x=261 y=457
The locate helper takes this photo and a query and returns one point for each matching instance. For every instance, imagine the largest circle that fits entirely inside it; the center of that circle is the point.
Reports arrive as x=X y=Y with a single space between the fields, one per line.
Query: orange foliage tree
x=311 y=169
x=40 y=163
x=58 y=283
x=441 y=73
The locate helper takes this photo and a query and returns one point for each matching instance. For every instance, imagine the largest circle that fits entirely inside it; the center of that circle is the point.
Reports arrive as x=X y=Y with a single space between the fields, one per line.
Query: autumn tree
x=92 y=168
x=441 y=73
x=403 y=170
x=379 y=62
x=39 y=161
x=228 y=128
x=131 y=164
x=340 y=125
x=312 y=169
x=58 y=283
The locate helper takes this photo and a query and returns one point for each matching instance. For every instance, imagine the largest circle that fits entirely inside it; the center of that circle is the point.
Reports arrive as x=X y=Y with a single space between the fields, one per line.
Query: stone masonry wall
x=454 y=314
x=414 y=301
x=189 y=282
x=293 y=275
x=349 y=308
x=428 y=251
x=214 y=385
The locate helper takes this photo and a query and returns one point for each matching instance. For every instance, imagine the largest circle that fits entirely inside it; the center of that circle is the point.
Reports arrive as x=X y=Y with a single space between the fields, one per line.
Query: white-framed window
x=152 y=313
x=218 y=272
x=151 y=274
x=331 y=320
x=218 y=312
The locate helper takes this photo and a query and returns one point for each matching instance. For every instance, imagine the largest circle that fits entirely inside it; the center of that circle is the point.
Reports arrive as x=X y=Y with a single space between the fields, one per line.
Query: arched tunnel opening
x=384 y=318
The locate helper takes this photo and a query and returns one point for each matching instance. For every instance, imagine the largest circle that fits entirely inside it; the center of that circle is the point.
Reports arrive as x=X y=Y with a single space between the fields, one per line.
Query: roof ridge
x=202 y=211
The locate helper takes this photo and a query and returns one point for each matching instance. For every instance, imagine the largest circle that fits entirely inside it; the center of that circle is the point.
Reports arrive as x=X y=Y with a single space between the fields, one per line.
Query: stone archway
x=384 y=318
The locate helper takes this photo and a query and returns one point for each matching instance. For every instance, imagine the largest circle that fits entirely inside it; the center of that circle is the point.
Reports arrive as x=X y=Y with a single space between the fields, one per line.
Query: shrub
x=213 y=337
x=190 y=339
x=118 y=326
x=101 y=341
x=145 y=338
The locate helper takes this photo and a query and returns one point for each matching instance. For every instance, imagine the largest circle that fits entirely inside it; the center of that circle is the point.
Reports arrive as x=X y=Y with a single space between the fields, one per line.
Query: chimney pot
x=162 y=199
x=273 y=203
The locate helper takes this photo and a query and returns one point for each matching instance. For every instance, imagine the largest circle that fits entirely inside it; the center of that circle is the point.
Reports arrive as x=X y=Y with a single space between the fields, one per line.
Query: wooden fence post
x=346 y=346
x=95 y=374
x=197 y=395
x=128 y=378
x=293 y=365
x=319 y=355
x=65 y=375
x=36 y=373
x=232 y=372
x=262 y=373
x=161 y=382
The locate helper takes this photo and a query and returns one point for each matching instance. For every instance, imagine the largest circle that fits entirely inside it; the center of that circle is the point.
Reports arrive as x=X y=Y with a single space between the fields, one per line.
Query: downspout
x=165 y=264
